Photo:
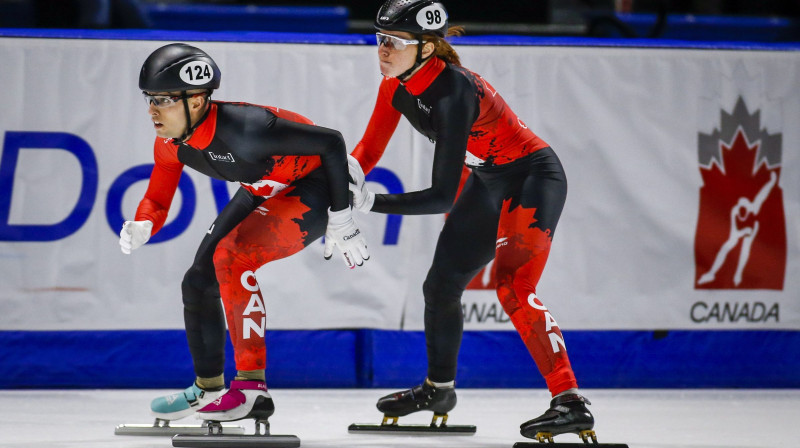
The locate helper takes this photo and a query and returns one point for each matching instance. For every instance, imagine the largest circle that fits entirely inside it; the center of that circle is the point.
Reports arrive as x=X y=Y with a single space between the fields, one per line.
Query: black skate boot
x=425 y=397
x=567 y=413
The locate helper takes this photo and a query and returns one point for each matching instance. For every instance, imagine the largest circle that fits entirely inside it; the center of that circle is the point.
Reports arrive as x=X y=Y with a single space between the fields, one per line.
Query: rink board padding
x=396 y=359
x=161 y=359
x=602 y=359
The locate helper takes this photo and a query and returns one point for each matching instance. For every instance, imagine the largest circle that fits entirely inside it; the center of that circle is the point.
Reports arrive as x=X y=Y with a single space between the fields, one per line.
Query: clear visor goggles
x=394 y=42
x=161 y=100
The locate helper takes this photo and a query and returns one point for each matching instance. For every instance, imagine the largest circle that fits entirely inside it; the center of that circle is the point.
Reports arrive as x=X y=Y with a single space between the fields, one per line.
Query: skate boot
x=567 y=413
x=182 y=404
x=425 y=397
x=244 y=399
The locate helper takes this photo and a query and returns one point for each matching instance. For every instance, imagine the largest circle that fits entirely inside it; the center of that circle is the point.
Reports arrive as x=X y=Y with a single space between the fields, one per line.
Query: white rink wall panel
x=683 y=209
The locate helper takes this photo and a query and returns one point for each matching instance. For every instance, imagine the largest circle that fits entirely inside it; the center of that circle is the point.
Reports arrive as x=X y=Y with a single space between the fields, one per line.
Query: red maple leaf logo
x=741 y=233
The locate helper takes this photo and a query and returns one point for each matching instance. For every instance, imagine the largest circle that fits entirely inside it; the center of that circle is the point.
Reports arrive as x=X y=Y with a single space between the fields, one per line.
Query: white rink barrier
x=683 y=209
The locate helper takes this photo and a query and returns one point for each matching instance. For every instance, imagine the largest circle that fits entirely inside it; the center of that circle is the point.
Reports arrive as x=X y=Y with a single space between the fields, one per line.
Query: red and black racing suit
x=508 y=208
x=290 y=172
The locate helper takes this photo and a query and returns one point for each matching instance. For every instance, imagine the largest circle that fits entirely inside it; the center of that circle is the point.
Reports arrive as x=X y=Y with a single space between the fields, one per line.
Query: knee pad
x=199 y=286
x=441 y=289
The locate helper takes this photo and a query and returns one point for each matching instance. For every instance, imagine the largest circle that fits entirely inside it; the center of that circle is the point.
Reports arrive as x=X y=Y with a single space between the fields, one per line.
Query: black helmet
x=413 y=16
x=178 y=67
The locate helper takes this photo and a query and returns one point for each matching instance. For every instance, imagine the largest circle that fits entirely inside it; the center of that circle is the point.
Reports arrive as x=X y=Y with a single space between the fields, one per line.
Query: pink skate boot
x=244 y=399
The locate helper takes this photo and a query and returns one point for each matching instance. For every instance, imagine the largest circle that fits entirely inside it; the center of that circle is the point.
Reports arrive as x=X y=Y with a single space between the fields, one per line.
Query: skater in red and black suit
x=293 y=190
x=507 y=211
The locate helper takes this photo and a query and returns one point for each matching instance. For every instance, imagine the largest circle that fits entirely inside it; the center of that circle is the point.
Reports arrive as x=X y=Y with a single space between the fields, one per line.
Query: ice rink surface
x=641 y=418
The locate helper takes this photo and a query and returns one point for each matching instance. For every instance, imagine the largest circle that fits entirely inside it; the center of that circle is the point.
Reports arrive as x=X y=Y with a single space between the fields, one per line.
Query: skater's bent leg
x=203 y=315
x=528 y=225
x=247 y=396
x=282 y=227
x=465 y=245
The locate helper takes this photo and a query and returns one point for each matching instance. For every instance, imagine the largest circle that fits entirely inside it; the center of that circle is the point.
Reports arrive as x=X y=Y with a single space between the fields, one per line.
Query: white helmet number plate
x=432 y=17
x=197 y=73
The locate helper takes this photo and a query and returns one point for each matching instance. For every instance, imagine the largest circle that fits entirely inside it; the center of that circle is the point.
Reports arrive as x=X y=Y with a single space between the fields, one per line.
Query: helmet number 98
x=197 y=73
x=431 y=17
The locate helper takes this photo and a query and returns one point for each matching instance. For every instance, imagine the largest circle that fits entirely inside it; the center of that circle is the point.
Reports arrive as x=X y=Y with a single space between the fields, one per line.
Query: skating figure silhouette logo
x=740 y=242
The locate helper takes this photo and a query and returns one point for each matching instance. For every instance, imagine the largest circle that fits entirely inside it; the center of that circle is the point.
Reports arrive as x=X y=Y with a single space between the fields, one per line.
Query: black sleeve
x=287 y=137
x=453 y=119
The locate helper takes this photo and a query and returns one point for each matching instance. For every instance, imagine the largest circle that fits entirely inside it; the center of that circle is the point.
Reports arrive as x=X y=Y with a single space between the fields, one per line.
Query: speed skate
x=245 y=399
x=425 y=397
x=169 y=408
x=567 y=414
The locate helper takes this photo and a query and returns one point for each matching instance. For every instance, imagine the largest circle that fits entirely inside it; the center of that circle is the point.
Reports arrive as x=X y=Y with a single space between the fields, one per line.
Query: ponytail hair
x=442 y=48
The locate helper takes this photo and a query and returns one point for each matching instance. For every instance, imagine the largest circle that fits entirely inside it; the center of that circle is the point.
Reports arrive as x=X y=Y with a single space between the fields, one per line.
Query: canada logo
x=740 y=241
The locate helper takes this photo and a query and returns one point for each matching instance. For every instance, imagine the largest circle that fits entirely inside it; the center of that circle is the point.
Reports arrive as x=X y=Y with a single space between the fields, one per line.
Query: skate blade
x=568 y=445
x=463 y=430
x=169 y=431
x=238 y=441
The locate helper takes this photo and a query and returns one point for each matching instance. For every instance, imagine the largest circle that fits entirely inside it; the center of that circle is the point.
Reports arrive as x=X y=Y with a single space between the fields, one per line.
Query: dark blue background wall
x=376 y=358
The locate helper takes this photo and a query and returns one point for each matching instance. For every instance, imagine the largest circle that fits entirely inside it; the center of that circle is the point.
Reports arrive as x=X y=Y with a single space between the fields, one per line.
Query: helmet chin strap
x=407 y=74
x=189 y=127
x=188 y=130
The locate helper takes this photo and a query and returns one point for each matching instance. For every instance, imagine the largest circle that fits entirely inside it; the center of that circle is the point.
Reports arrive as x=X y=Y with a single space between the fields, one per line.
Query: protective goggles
x=394 y=42
x=161 y=100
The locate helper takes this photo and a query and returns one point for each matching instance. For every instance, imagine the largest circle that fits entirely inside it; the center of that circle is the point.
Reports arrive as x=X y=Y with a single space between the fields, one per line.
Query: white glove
x=355 y=170
x=363 y=199
x=343 y=232
x=134 y=234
